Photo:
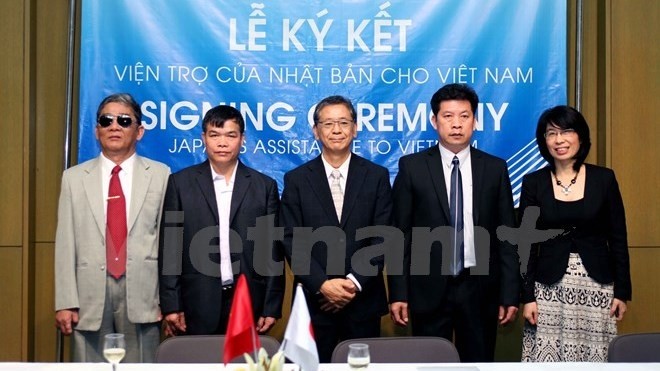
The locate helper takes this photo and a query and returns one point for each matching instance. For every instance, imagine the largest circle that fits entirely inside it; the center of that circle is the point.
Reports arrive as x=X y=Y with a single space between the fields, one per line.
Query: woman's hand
x=618 y=309
x=531 y=313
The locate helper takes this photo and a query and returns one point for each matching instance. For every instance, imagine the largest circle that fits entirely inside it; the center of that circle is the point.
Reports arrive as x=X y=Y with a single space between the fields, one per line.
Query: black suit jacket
x=189 y=282
x=600 y=237
x=307 y=202
x=420 y=200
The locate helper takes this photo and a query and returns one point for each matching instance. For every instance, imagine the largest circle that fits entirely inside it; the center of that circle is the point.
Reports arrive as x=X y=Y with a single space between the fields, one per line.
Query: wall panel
x=12 y=101
x=50 y=113
x=44 y=321
x=51 y=44
x=634 y=151
x=634 y=108
x=643 y=314
x=12 y=308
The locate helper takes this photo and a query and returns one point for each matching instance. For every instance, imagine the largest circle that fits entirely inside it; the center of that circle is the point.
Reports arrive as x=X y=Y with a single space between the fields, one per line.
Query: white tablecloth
x=340 y=367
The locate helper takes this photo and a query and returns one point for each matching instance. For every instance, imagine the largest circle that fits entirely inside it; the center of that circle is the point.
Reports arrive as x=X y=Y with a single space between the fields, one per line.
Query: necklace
x=566 y=189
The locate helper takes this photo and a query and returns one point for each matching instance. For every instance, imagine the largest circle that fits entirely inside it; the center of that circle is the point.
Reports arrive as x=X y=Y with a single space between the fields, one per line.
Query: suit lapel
x=241 y=185
x=356 y=176
x=477 y=177
x=321 y=188
x=94 y=193
x=593 y=194
x=434 y=163
x=205 y=183
x=141 y=180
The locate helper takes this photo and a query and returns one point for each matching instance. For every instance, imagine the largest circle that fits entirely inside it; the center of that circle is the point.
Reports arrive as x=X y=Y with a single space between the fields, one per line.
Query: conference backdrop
x=274 y=60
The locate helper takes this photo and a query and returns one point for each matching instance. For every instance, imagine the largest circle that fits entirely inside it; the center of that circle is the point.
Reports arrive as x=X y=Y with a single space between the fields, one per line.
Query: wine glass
x=114 y=349
x=358 y=356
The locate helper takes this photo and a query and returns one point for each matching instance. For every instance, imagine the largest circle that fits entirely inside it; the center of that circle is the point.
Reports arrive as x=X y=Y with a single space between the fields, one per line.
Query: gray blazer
x=80 y=253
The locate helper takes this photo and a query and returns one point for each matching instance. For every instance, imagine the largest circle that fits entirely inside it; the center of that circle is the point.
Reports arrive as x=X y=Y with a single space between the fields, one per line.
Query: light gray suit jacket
x=80 y=254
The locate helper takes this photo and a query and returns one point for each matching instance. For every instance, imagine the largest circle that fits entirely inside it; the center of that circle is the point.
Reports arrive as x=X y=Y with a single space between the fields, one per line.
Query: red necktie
x=115 y=234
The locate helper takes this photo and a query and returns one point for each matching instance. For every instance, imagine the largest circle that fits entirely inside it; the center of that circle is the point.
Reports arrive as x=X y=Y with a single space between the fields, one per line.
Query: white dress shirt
x=223 y=193
x=343 y=170
x=125 y=178
x=465 y=165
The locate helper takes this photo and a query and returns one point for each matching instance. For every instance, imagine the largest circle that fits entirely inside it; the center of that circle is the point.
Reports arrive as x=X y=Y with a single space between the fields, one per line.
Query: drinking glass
x=358 y=356
x=114 y=349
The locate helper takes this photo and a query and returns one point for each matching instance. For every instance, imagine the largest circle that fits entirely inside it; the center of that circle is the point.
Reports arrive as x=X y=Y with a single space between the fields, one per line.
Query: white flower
x=265 y=364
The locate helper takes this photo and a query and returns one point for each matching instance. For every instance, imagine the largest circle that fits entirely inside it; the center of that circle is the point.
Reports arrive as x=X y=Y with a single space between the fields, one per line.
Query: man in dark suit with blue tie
x=473 y=284
x=205 y=241
x=338 y=192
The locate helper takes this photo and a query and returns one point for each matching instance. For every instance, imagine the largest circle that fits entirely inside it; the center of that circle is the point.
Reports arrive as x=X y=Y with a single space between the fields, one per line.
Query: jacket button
x=103 y=267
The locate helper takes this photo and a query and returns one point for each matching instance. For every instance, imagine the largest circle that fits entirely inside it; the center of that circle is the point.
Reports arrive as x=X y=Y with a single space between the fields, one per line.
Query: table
x=497 y=366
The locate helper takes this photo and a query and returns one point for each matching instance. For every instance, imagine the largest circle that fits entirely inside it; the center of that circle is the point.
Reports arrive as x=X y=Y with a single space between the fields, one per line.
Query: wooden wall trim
x=607 y=82
x=29 y=133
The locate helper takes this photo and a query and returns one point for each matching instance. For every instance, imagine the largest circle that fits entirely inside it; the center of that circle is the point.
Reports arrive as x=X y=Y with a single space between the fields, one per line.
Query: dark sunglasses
x=123 y=120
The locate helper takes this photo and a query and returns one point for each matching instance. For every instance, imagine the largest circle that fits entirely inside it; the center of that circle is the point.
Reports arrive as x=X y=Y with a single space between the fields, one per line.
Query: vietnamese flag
x=241 y=334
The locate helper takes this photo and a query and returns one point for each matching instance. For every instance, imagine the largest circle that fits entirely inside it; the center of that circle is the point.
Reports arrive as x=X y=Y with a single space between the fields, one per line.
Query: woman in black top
x=576 y=284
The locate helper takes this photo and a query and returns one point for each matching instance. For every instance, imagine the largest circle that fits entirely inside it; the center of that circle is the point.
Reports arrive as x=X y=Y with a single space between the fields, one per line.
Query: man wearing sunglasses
x=106 y=247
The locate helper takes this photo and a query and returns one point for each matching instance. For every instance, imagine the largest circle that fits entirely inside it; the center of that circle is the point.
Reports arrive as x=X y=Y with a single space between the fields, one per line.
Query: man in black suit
x=334 y=195
x=204 y=240
x=464 y=301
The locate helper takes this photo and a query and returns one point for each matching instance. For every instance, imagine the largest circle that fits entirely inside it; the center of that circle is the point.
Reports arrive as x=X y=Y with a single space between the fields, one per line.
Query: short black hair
x=125 y=99
x=218 y=115
x=563 y=117
x=331 y=101
x=454 y=92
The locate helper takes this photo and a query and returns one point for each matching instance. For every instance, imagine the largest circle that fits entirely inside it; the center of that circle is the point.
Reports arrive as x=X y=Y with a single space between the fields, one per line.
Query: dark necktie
x=456 y=215
x=116 y=231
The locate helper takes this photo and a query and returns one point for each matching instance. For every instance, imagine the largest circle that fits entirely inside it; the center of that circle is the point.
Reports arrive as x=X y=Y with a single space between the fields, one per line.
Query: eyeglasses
x=552 y=134
x=123 y=120
x=331 y=124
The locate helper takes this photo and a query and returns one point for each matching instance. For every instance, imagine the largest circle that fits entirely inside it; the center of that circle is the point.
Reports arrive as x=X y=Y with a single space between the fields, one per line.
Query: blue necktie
x=456 y=215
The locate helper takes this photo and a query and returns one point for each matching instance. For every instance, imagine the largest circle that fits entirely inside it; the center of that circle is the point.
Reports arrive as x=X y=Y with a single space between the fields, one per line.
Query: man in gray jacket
x=106 y=247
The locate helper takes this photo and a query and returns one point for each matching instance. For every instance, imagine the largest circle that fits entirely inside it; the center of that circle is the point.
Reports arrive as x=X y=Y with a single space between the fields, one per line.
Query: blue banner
x=274 y=60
